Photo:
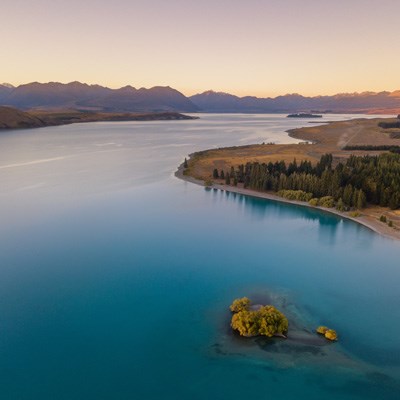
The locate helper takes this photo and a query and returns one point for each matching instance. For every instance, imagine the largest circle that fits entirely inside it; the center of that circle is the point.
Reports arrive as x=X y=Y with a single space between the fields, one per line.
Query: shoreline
x=364 y=220
x=15 y=119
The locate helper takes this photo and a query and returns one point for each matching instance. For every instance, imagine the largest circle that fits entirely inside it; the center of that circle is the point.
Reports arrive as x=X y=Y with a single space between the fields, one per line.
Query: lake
x=116 y=277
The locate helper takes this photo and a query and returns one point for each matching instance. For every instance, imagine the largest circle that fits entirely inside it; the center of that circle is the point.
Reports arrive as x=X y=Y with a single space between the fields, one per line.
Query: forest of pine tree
x=352 y=184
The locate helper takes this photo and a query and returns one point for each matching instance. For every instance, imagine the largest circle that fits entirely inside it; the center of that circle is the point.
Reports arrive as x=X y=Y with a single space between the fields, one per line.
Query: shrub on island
x=265 y=321
x=329 y=334
x=238 y=305
x=322 y=329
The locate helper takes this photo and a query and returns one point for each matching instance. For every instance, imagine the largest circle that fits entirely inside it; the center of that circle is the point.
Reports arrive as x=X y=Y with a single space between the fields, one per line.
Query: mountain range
x=80 y=96
x=368 y=102
x=84 y=97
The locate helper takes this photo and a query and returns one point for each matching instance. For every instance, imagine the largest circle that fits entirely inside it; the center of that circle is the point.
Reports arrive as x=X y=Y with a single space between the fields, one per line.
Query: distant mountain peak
x=165 y=88
x=127 y=88
x=213 y=92
x=8 y=85
x=77 y=84
x=292 y=95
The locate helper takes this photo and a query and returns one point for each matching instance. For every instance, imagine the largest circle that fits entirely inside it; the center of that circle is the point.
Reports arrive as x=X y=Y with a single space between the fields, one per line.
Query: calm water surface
x=115 y=276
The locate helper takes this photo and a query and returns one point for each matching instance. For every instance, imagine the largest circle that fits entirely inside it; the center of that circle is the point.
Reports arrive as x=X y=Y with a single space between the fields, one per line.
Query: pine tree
x=394 y=202
x=348 y=195
x=354 y=199
x=340 y=205
x=361 y=200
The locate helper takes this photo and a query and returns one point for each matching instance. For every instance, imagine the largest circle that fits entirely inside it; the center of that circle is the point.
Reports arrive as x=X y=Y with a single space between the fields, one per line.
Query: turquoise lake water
x=115 y=277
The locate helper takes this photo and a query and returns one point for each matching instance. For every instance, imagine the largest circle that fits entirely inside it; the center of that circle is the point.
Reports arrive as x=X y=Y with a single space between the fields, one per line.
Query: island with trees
x=275 y=328
x=257 y=320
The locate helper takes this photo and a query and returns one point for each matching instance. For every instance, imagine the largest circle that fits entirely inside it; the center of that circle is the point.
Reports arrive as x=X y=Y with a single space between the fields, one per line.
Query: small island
x=258 y=320
x=259 y=328
x=304 y=115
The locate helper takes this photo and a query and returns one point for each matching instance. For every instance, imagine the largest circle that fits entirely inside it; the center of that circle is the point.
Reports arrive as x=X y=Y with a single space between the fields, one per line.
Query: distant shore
x=369 y=221
x=12 y=118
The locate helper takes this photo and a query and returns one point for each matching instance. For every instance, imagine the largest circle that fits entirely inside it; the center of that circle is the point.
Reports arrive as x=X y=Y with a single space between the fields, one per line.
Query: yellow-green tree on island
x=265 y=321
x=240 y=305
x=329 y=334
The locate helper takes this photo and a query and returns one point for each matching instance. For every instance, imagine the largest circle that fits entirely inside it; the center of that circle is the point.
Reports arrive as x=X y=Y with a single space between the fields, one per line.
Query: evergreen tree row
x=358 y=181
x=370 y=147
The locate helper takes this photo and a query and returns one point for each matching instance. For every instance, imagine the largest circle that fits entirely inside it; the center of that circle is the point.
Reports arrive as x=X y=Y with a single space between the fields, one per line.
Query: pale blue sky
x=253 y=47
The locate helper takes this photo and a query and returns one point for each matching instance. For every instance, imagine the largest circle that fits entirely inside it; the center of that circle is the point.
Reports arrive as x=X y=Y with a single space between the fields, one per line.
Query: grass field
x=317 y=140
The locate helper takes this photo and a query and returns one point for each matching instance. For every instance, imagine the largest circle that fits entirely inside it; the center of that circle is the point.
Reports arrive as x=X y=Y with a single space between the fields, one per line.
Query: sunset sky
x=252 y=47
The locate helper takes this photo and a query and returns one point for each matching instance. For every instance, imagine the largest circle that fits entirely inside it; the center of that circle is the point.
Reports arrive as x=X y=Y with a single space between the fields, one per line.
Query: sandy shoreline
x=366 y=220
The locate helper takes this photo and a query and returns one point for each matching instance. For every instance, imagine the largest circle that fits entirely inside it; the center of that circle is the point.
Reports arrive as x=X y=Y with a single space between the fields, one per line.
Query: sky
x=247 y=47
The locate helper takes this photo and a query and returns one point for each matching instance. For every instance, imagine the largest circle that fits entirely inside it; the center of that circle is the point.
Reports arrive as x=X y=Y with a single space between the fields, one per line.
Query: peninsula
x=324 y=146
x=12 y=118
